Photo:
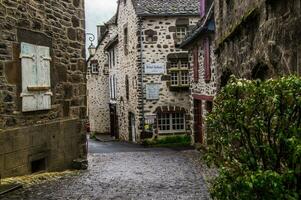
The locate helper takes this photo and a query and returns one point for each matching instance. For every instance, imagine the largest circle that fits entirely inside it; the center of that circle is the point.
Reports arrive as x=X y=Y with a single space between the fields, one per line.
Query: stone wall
x=98 y=87
x=56 y=142
x=128 y=65
x=201 y=90
x=260 y=39
x=60 y=26
x=158 y=51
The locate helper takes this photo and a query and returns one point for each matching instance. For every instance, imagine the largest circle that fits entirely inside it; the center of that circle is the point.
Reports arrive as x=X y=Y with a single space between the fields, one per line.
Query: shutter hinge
x=27 y=56
x=46 y=58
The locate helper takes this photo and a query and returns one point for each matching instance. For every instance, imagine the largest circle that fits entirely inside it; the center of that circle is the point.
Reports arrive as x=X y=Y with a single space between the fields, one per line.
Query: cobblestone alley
x=121 y=174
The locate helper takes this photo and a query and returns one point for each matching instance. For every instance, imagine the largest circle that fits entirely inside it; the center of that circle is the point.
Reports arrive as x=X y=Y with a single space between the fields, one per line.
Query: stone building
x=112 y=51
x=204 y=71
x=153 y=73
x=98 y=80
x=42 y=85
x=258 y=39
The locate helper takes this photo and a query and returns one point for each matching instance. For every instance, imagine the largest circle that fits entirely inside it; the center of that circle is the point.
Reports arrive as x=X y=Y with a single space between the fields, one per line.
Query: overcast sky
x=98 y=12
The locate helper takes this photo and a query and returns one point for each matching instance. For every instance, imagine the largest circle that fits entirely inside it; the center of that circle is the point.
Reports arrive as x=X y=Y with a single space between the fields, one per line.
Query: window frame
x=170 y=122
x=180 y=70
x=94 y=68
x=182 y=36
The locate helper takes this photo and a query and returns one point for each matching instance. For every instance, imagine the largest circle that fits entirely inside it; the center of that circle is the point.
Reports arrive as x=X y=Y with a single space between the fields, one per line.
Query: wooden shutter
x=36 y=89
x=202 y=8
x=207 y=60
x=43 y=76
x=196 y=64
x=29 y=76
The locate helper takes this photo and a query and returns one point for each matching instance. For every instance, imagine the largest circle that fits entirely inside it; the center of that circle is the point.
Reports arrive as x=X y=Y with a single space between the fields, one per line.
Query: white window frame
x=178 y=71
x=181 y=32
x=113 y=87
x=171 y=123
x=94 y=68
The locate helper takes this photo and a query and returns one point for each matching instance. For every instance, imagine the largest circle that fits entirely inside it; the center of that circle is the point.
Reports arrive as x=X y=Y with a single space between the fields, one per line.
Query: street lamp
x=91 y=48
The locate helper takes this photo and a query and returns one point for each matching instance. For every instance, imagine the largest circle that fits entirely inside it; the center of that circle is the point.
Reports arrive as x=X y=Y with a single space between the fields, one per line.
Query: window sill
x=178 y=69
x=172 y=132
x=179 y=88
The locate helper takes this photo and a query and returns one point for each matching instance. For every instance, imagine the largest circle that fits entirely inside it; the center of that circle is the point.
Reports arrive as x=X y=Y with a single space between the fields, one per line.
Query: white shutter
x=29 y=73
x=43 y=75
x=36 y=93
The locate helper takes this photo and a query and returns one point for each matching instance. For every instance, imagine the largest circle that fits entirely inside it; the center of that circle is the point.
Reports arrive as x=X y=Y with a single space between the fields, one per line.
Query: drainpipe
x=142 y=74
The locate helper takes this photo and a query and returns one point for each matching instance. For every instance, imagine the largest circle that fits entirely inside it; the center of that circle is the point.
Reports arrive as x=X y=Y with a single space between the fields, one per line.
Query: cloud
x=98 y=12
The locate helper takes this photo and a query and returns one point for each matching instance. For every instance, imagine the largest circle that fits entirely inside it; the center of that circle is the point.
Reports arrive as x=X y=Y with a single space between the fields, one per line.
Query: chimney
x=101 y=29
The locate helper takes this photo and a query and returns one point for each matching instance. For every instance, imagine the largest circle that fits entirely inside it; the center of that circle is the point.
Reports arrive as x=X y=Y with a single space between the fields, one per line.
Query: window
x=94 y=68
x=127 y=87
x=171 y=122
x=207 y=60
x=112 y=58
x=125 y=37
x=181 y=33
x=179 y=74
x=151 y=36
x=113 y=87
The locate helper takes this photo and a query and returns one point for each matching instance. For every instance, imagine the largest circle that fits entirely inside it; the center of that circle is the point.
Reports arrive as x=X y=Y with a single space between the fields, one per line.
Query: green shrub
x=169 y=141
x=92 y=136
x=254 y=136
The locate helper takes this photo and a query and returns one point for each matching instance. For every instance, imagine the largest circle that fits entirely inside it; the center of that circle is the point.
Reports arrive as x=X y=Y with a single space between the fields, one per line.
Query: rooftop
x=166 y=7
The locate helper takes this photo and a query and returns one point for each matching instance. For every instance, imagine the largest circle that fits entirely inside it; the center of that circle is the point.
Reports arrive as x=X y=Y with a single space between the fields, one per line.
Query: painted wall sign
x=154 y=68
x=152 y=91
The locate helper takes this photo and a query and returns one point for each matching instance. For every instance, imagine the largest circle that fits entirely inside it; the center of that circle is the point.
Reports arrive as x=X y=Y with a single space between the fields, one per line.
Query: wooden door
x=198 y=122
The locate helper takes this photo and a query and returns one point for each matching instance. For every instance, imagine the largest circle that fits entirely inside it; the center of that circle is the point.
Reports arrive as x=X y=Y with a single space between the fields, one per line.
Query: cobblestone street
x=142 y=175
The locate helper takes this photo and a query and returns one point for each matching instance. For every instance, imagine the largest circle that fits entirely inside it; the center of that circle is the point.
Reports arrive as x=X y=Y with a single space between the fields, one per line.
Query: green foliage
x=254 y=136
x=169 y=141
x=92 y=136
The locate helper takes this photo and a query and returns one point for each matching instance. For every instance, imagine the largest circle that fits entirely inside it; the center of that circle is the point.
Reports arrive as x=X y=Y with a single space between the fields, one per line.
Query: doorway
x=114 y=121
x=132 y=127
x=198 y=122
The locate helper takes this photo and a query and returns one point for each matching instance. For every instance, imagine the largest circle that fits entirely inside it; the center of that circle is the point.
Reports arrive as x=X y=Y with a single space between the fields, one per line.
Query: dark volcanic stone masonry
x=162 y=175
x=52 y=137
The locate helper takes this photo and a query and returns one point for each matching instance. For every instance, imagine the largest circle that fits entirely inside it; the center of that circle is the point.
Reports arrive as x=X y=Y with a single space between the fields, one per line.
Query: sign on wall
x=152 y=91
x=154 y=68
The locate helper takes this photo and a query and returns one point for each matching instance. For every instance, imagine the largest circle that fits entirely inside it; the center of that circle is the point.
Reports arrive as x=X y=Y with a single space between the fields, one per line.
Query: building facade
x=204 y=71
x=98 y=80
x=148 y=72
x=258 y=39
x=42 y=85
x=153 y=81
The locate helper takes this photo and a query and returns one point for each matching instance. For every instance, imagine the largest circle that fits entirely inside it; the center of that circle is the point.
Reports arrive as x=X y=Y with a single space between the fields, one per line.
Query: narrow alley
x=126 y=171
